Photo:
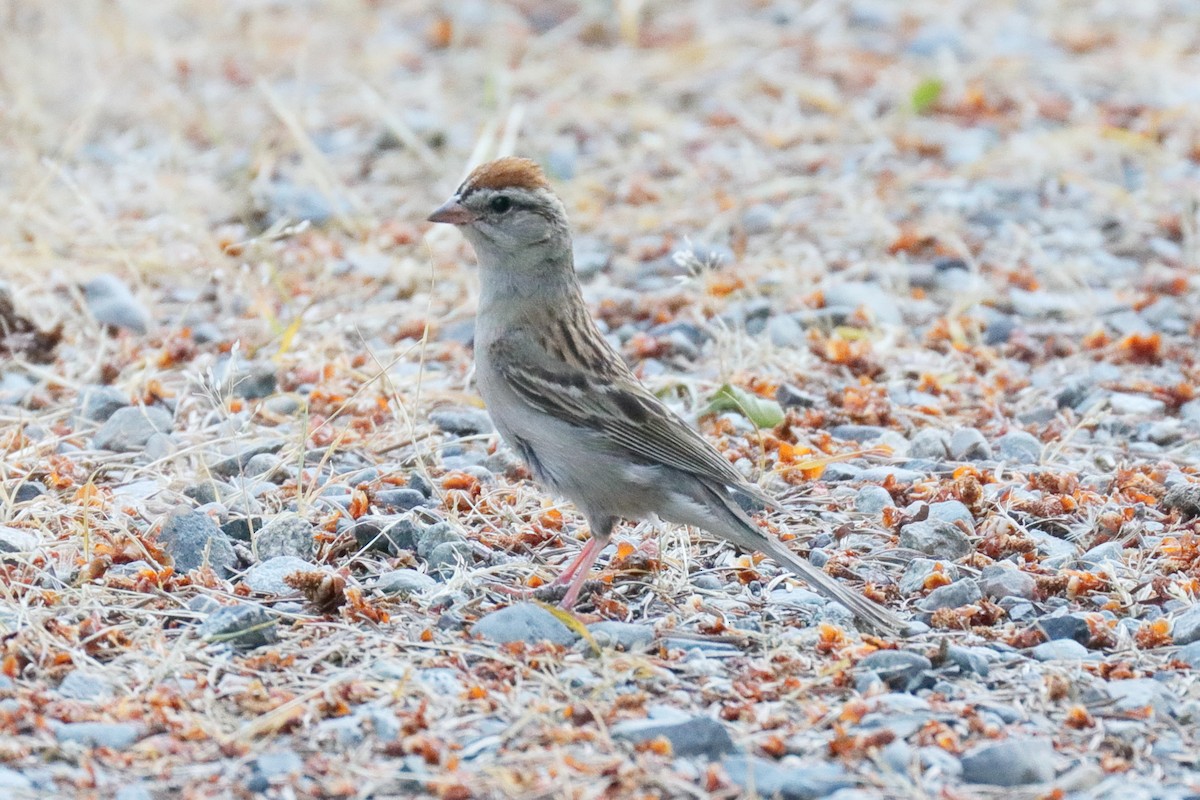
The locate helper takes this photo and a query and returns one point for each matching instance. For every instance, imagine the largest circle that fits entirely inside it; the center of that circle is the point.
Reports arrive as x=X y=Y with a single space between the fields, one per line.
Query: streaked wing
x=616 y=404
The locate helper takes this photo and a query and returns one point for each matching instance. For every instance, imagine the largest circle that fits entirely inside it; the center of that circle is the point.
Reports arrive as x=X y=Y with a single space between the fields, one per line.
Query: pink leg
x=585 y=555
x=584 y=566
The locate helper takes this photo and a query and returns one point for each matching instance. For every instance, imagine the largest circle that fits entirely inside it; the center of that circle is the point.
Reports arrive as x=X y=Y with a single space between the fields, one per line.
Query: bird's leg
x=587 y=554
x=580 y=568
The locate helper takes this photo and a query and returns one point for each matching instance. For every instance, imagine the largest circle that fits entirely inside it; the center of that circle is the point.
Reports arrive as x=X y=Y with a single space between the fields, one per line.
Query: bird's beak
x=452 y=212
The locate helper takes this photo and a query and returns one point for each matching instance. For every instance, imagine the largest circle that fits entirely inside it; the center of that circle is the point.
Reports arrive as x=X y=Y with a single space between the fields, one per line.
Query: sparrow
x=566 y=402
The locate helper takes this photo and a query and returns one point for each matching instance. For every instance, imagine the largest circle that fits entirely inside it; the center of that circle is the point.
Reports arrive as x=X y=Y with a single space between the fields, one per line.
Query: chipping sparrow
x=567 y=403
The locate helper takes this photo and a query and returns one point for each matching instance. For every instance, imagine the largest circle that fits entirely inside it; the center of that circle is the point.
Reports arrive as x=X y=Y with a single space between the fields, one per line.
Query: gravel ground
x=255 y=527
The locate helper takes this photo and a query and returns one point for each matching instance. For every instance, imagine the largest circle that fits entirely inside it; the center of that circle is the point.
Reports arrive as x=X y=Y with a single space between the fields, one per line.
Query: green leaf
x=762 y=412
x=926 y=95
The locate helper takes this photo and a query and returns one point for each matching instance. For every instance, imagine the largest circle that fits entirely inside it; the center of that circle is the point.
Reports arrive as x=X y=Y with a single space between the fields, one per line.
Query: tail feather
x=749 y=536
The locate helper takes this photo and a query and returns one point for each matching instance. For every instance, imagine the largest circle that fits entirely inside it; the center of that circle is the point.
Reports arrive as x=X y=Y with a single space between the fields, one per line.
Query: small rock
x=128 y=429
x=242 y=529
x=12 y=780
x=267 y=577
x=758 y=218
x=627 y=635
x=1066 y=626
x=785 y=332
x=523 y=622
x=857 y=433
x=968 y=444
x=111 y=303
x=244 y=626
x=98 y=403
x=1184 y=498
x=285 y=535
x=879 y=304
x=232 y=466
x=1014 y=762
x=802 y=780
x=399 y=499
x=1186 y=628
x=1060 y=650
x=930 y=443
x=435 y=535
x=699 y=736
x=1137 y=694
x=447 y=556
x=16 y=540
x=83 y=685
x=278 y=763
x=267 y=466
x=247 y=380
x=872 y=499
x=1189 y=655
x=405 y=582
x=952 y=511
x=462 y=421
x=918 y=571
x=970 y=659
x=936 y=538
x=789 y=396
x=897 y=668
x=1135 y=404
x=952 y=595
x=193 y=539
x=386 y=534
x=28 y=490
x=114 y=735
x=1003 y=579
x=1109 y=553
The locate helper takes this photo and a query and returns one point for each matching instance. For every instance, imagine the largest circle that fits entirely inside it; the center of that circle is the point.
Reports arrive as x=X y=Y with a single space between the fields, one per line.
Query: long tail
x=749 y=536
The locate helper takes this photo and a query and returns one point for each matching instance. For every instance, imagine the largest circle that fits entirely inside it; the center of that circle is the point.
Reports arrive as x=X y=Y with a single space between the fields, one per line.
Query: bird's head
x=506 y=208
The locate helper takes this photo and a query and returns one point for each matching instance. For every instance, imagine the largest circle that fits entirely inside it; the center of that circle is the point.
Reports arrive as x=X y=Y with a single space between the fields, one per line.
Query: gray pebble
x=128 y=429
x=268 y=466
x=111 y=303
x=1136 y=694
x=970 y=659
x=1184 y=498
x=12 y=780
x=193 y=539
x=936 y=538
x=399 y=499
x=952 y=595
x=285 y=535
x=627 y=635
x=115 y=735
x=1066 y=626
x=758 y=218
x=1060 y=650
x=857 y=433
x=1005 y=580
x=232 y=466
x=791 y=779
x=84 y=685
x=968 y=444
x=523 y=622
x=952 y=511
x=436 y=534
x=1186 y=627
x=1107 y=554
x=897 y=668
x=447 y=556
x=98 y=403
x=913 y=579
x=461 y=421
x=247 y=380
x=1135 y=404
x=879 y=304
x=16 y=540
x=1190 y=655
x=267 y=576
x=27 y=491
x=241 y=529
x=698 y=736
x=1013 y=762
x=404 y=582
x=785 y=332
x=789 y=396
x=386 y=534
x=244 y=626
x=930 y=443
x=1019 y=447
x=872 y=499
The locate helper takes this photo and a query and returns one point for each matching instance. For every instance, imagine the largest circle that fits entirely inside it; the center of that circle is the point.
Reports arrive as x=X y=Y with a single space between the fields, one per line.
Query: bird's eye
x=500 y=204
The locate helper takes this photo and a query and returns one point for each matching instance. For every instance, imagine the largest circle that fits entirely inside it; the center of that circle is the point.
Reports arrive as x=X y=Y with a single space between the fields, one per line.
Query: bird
x=571 y=408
